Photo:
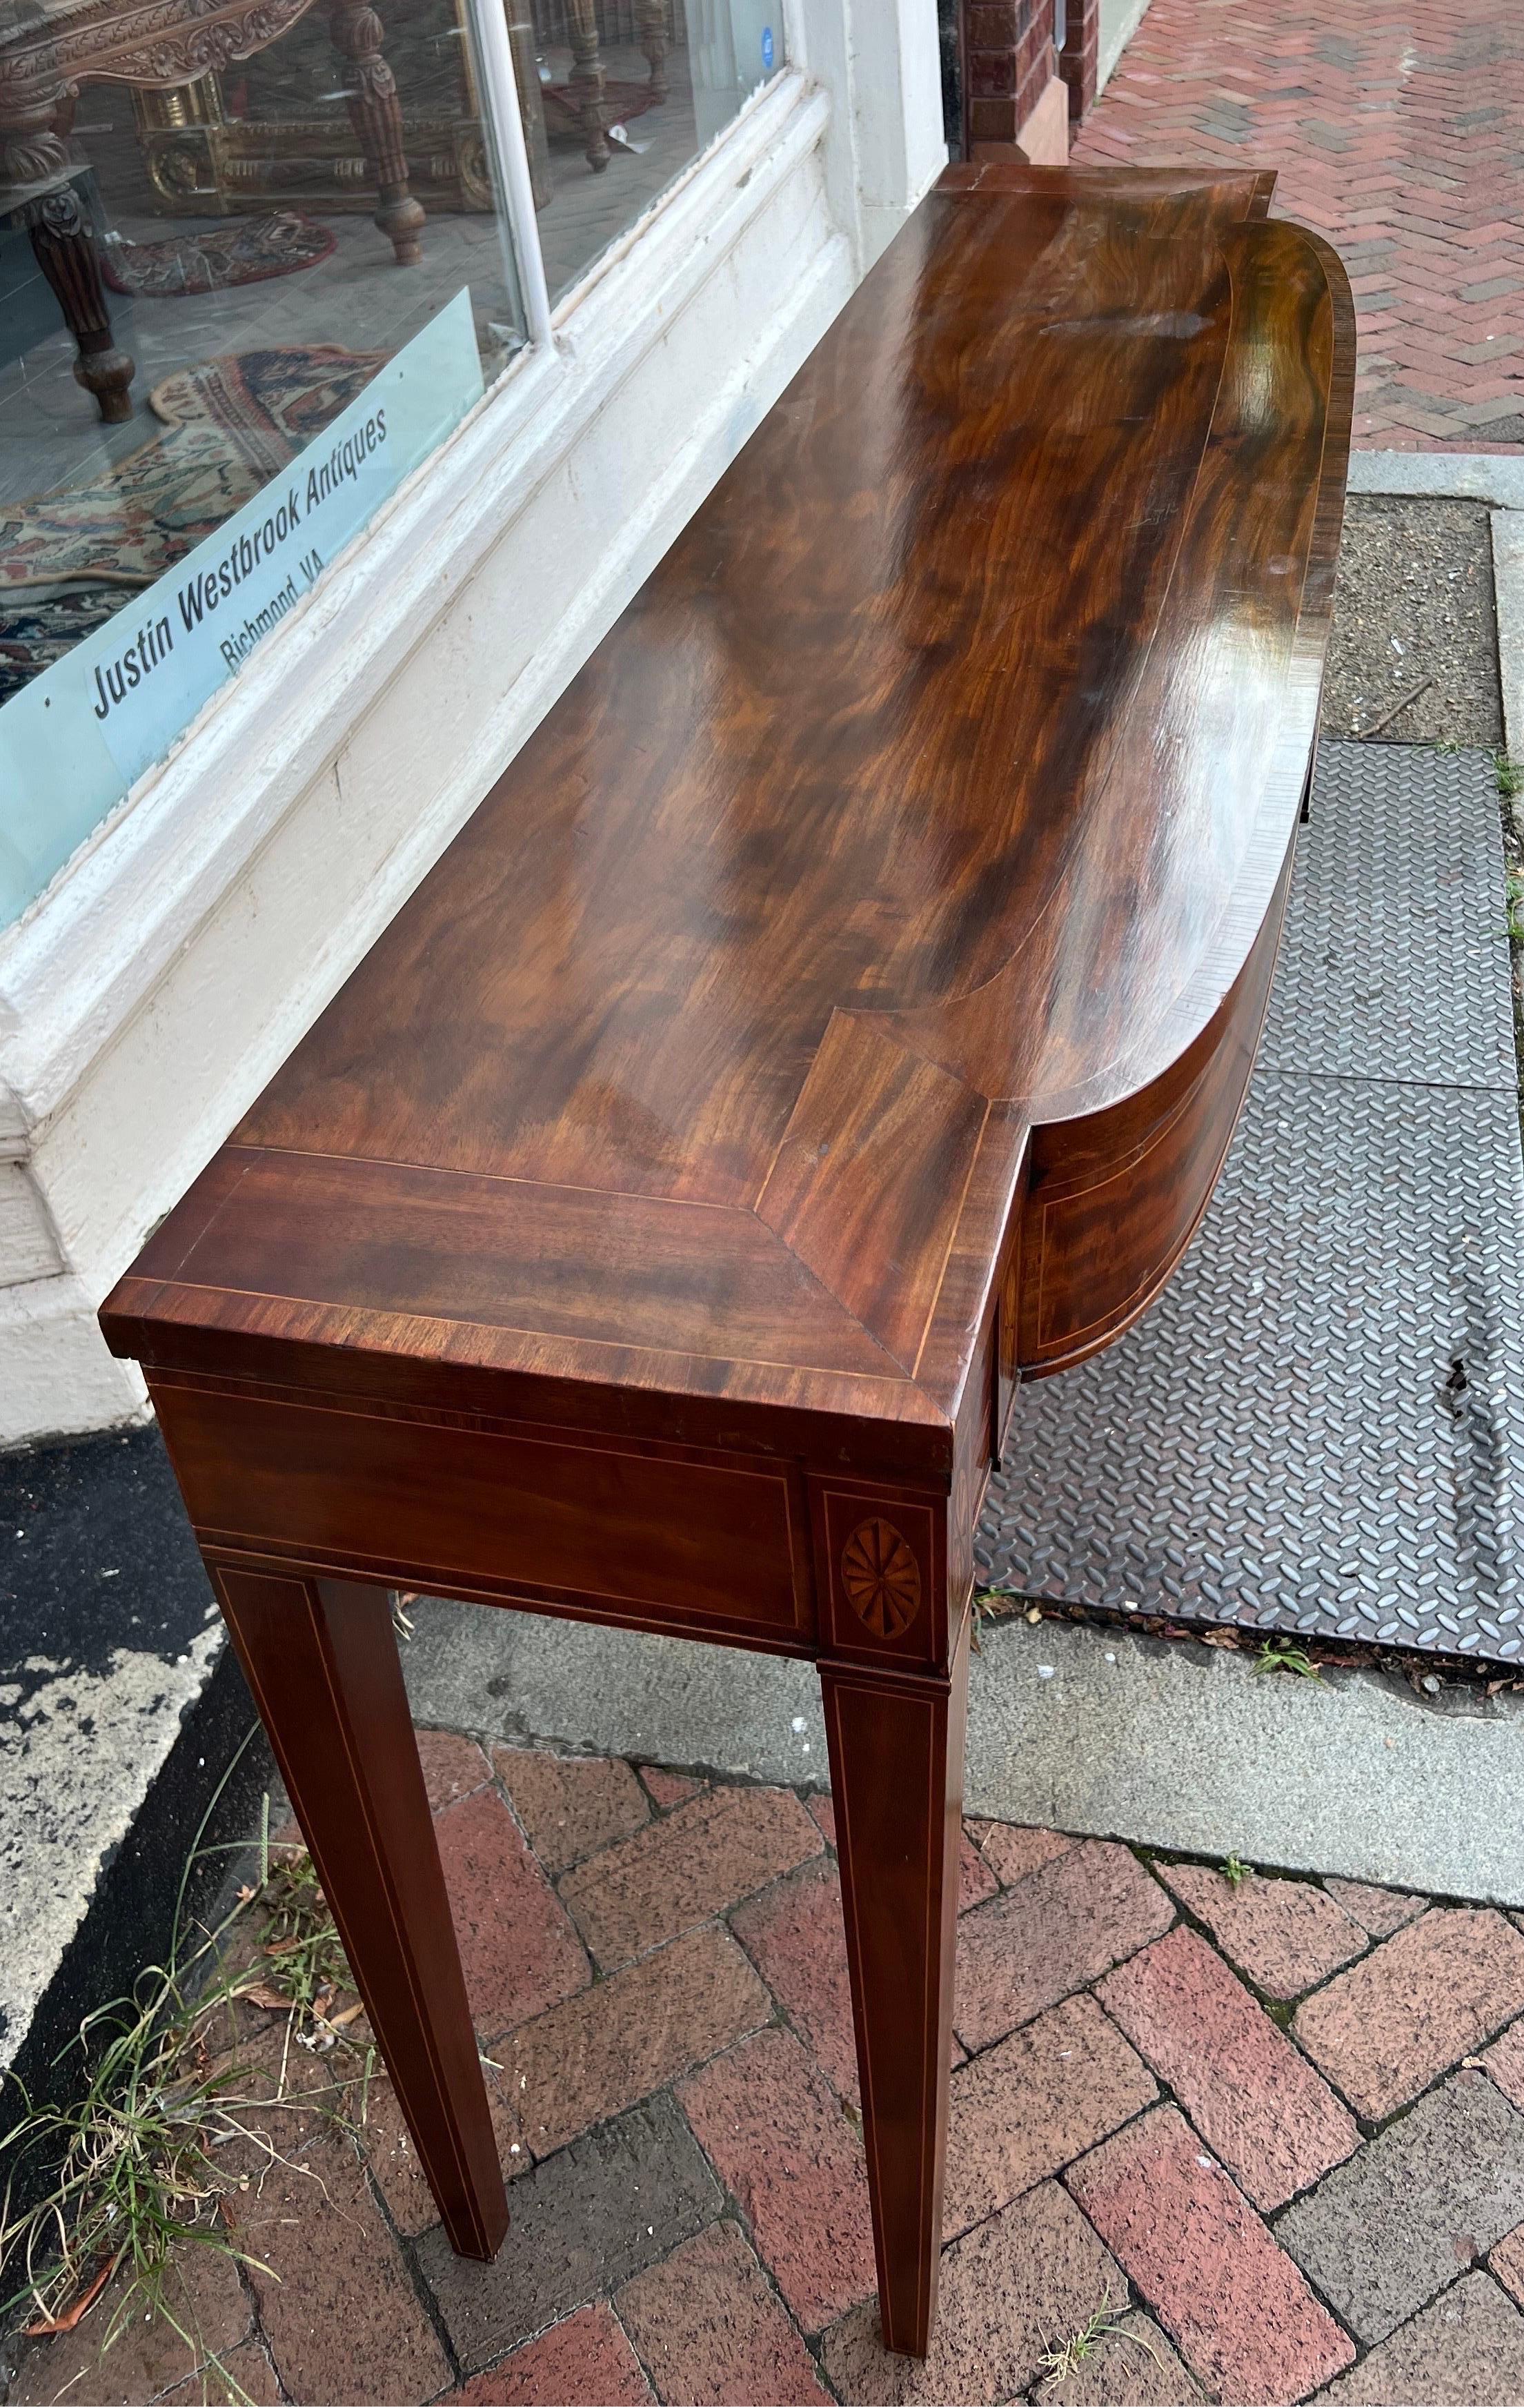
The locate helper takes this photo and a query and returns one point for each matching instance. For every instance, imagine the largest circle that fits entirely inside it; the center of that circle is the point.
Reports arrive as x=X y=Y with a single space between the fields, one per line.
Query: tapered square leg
x=897 y=1776
x=322 y=1661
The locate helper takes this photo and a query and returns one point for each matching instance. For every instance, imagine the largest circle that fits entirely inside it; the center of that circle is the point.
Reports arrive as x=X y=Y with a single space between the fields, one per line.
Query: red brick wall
x=1009 y=53
x=1079 y=60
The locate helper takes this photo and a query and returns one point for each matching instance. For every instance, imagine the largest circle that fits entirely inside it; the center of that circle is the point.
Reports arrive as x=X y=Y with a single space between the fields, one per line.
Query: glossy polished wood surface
x=935 y=786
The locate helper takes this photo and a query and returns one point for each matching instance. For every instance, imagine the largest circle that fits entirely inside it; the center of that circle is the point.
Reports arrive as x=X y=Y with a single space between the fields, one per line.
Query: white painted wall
x=1119 y=20
x=171 y=966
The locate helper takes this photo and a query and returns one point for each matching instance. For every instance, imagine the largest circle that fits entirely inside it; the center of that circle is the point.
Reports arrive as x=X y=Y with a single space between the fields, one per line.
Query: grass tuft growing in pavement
x=1277 y=1656
x=1067 y=2356
x=144 y=2109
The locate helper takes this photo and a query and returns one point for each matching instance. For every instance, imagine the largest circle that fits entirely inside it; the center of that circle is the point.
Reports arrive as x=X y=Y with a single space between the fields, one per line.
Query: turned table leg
x=322 y=1661
x=64 y=244
x=376 y=115
x=652 y=25
x=587 y=80
x=895 y=1741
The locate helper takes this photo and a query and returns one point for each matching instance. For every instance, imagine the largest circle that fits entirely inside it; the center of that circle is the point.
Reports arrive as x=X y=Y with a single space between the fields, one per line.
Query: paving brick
x=1285 y=1935
x=1030 y=2275
x=708 y=2324
x=231 y=2381
x=1058 y=1929
x=1254 y=2099
x=1433 y=2191
x=692 y=1864
x=204 y=2295
x=453 y=1767
x=781 y=2143
x=586 y=2361
x=976 y=1877
x=1465 y=2351
x=583 y=2222
x=1234 y=2302
x=599 y=2052
x=794 y=1934
x=337 y=2310
x=1013 y=1850
x=1505 y=2061
x=570 y=1805
x=1337 y=123
x=1418 y=2004
x=518 y=1949
x=394 y=2161
x=975 y=1881
x=1131 y=2365
x=1024 y=2108
x=669 y=1788
x=1379 y=1912
x=1507 y=2262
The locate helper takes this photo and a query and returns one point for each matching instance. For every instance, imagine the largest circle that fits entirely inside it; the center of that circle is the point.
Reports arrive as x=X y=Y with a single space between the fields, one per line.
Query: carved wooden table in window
x=838 y=1012
x=47 y=48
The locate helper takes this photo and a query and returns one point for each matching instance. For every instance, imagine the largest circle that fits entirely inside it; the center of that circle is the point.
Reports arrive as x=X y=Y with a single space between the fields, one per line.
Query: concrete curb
x=1495 y=477
x=1508 y=595
x=1169 y=1745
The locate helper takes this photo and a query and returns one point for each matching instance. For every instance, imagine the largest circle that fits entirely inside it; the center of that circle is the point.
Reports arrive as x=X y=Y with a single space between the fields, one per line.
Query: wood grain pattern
x=844 y=862
x=836 y=1013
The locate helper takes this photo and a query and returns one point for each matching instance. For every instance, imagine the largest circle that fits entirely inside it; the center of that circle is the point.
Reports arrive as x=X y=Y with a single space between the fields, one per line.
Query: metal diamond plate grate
x=1394 y=964
x=1320 y=1427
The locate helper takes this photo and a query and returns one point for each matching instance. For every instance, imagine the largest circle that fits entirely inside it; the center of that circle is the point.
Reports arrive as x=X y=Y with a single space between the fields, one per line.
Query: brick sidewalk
x=1399 y=133
x=1274 y=2129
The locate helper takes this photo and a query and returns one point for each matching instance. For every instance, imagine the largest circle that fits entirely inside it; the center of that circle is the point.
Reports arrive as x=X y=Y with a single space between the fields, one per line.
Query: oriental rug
x=280 y=243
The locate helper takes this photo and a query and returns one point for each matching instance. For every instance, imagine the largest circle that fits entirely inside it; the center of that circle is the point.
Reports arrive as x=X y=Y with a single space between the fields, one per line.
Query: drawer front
x=1112 y=1200
x=582 y=1522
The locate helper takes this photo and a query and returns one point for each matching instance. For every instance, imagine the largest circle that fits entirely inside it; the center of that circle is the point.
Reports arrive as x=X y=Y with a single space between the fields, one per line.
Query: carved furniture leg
x=587 y=80
x=897 y=1776
x=322 y=1662
x=376 y=115
x=653 y=37
x=521 y=42
x=64 y=244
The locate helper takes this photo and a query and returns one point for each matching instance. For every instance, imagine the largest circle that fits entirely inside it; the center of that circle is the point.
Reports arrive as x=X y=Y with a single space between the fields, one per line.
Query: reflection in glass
x=198 y=270
x=226 y=259
x=620 y=96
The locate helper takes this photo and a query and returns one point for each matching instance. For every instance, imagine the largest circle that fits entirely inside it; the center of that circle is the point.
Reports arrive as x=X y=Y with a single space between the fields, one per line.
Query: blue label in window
x=767 y=50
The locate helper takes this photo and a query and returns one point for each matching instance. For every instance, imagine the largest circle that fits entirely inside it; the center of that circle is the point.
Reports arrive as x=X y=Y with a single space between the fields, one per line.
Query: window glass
x=254 y=265
x=619 y=95
x=238 y=306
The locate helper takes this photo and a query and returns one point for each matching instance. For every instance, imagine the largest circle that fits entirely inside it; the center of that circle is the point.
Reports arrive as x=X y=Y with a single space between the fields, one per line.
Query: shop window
x=257 y=259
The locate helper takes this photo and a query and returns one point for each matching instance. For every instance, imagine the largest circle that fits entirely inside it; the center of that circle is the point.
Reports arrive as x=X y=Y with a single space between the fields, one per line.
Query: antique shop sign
x=75 y=738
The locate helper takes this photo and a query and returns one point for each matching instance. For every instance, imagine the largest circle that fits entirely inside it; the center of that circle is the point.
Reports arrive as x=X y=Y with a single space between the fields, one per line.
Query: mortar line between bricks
x=1363 y=2348
x=782 y=2020
x=407 y=2251
x=734 y=2208
x=719 y=1914
x=1138 y=2297
x=1274 y=2008
x=256 y=2329
x=697 y=1768
x=1360 y=2347
x=643 y=2363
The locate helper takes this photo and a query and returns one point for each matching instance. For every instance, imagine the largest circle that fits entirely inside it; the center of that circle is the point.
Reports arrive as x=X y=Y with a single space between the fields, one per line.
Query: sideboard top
x=934 y=785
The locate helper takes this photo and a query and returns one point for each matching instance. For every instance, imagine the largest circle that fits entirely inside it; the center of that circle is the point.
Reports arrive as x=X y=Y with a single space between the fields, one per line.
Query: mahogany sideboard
x=835 y=1014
